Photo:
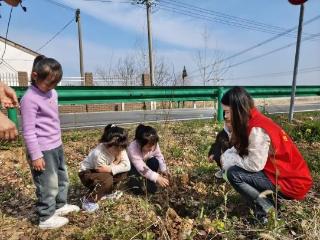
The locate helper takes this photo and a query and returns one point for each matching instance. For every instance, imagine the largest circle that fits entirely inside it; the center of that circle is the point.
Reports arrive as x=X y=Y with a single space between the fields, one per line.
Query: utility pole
x=148 y=7
x=80 y=42
x=148 y=4
x=296 y=62
x=184 y=74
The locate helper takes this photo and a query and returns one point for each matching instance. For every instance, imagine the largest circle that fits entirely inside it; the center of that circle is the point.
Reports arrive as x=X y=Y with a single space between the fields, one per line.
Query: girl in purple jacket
x=42 y=136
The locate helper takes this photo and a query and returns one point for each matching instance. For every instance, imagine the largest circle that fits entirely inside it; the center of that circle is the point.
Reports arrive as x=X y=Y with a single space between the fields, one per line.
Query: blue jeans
x=51 y=184
x=250 y=185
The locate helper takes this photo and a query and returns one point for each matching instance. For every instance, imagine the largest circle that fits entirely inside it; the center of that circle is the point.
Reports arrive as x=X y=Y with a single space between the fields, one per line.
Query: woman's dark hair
x=240 y=103
x=114 y=136
x=146 y=135
x=44 y=67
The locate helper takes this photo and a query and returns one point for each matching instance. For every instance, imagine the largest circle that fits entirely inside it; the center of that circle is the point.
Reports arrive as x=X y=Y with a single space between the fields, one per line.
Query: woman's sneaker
x=219 y=174
x=113 y=196
x=67 y=208
x=89 y=207
x=53 y=222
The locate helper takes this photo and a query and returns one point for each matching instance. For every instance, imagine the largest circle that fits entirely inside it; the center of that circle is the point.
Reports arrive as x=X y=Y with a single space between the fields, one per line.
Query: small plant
x=176 y=152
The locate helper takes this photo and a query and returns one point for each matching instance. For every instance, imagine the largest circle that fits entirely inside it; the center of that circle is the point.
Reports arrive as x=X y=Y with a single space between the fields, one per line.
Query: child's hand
x=211 y=158
x=105 y=169
x=38 y=165
x=166 y=173
x=163 y=182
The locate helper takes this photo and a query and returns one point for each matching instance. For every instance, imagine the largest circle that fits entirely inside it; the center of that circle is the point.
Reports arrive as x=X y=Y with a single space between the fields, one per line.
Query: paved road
x=71 y=120
x=83 y=120
x=306 y=107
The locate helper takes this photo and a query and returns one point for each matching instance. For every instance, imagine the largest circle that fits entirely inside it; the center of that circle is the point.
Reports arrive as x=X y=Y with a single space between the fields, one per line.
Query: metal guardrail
x=109 y=94
x=93 y=95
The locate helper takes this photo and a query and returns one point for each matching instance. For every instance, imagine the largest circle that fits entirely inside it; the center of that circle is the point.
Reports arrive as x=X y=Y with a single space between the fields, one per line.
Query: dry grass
x=195 y=206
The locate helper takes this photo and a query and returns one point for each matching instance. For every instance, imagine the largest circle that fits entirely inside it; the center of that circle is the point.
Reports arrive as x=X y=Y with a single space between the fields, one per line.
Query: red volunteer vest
x=285 y=167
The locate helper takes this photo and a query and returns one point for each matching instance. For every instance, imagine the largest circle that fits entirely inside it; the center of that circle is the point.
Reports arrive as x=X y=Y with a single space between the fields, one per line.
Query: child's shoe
x=53 y=222
x=113 y=196
x=89 y=207
x=67 y=208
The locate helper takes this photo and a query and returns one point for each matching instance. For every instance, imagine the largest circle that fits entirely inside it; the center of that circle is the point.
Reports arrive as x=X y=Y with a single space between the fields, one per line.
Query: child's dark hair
x=44 y=67
x=146 y=135
x=114 y=136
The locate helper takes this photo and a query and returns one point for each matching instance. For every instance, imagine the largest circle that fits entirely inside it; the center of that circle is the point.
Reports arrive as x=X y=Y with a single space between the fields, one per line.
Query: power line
x=265 y=42
x=211 y=19
x=18 y=59
x=256 y=57
x=55 y=35
x=206 y=14
x=270 y=52
x=222 y=18
x=61 y=5
x=277 y=74
x=6 y=38
x=8 y=66
x=223 y=15
x=109 y=1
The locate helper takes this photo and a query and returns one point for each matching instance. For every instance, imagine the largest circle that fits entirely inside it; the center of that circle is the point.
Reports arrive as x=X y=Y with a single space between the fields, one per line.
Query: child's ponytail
x=114 y=136
x=35 y=62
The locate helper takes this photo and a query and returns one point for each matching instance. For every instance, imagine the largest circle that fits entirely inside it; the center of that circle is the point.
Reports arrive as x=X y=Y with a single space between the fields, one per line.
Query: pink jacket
x=139 y=160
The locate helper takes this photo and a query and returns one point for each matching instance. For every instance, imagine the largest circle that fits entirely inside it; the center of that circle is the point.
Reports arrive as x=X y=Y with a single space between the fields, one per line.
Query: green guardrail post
x=220 y=110
x=13 y=116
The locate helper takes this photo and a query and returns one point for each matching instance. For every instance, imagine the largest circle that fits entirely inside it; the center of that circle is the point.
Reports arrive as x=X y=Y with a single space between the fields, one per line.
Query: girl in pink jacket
x=146 y=161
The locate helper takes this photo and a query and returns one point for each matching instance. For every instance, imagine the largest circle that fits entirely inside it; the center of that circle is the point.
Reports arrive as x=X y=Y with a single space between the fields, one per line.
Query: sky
x=180 y=30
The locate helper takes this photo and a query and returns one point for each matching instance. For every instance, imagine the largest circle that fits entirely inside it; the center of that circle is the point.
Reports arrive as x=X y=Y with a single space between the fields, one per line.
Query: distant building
x=16 y=58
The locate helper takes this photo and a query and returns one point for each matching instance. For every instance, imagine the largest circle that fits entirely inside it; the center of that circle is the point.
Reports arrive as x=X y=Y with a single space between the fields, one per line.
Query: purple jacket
x=40 y=121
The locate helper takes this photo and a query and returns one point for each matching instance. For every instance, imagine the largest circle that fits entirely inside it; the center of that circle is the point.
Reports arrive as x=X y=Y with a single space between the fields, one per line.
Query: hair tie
x=113 y=125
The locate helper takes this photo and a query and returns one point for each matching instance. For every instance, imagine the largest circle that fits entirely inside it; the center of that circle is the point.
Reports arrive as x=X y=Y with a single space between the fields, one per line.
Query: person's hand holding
x=8 y=97
x=38 y=164
x=163 y=182
x=8 y=130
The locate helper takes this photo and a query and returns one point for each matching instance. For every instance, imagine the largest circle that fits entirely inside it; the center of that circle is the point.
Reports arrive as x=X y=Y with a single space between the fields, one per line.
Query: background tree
x=210 y=64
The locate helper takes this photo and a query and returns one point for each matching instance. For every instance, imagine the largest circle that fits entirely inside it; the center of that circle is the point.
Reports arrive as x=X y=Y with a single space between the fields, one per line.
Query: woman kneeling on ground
x=263 y=157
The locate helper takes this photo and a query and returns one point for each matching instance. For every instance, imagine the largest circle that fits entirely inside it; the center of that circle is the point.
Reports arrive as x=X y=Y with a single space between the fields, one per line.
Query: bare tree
x=127 y=70
x=162 y=74
x=103 y=73
x=210 y=64
x=130 y=68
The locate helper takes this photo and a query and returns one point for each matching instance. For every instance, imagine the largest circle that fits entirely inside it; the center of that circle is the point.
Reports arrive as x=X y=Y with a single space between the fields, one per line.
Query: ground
x=195 y=206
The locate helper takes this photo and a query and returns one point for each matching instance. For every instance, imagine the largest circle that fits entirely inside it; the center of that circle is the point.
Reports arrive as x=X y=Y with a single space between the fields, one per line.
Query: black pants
x=136 y=180
x=250 y=185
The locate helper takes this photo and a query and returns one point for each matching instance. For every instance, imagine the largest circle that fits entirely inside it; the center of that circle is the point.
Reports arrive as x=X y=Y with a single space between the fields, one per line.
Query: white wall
x=18 y=59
